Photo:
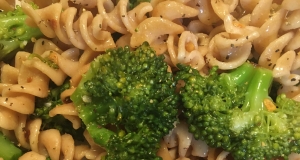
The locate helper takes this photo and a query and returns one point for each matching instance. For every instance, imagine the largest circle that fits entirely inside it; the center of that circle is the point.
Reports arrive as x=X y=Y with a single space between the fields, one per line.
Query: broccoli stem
x=17 y=28
x=15 y=34
x=258 y=90
x=240 y=75
x=100 y=134
x=7 y=47
x=8 y=150
x=255 y=97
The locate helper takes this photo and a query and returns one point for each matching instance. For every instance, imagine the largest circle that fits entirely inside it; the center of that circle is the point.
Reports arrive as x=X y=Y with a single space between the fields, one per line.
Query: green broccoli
x=134 y=3
x=14 y=33
x=9 y=151
x=234 y=111
x=47 y=60
x=44 y=105
x=128 y=102
x=208 y=101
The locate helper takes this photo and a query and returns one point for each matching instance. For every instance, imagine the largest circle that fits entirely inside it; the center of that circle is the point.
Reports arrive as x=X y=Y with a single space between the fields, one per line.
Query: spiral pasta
x=85 y=32
x=200 y=33
x=29 y=78
x=51 y=143
x=185 y=142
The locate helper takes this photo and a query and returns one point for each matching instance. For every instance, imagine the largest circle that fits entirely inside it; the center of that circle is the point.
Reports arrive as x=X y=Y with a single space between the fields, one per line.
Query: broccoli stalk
x=267 y=129
x=8 y=149
x=14 y=32
x=250 y=123
x=256 y=97
x=240 y=116
x=128 y=102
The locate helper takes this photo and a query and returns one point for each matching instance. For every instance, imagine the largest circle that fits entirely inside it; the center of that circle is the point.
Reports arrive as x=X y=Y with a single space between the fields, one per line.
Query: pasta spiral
x=200 y=33
x=85 y=32
x=28 y=79
x=181 y=140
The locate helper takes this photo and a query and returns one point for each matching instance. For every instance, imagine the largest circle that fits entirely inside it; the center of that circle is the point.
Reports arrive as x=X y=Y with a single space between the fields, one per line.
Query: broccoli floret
x=44 y=105
x=14 y=32
x=9 y=151
x=128 y=102
x=238 y=114
x=208 y=101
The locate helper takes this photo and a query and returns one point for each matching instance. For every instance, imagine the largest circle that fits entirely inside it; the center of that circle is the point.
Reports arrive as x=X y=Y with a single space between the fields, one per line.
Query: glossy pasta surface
x=199 y=33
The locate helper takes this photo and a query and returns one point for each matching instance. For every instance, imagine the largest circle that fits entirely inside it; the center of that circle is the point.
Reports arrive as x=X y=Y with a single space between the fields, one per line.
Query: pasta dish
x=197 y=33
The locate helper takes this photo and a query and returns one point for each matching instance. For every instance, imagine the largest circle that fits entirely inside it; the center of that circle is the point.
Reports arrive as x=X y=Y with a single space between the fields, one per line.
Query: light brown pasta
x=187 y=50
x=146 y=31
x=85 y=32
x=206 y=13
x=180 y=138
x=173 y=10
x=29 y=78
x=200 y=33
x=223 y=8
x=269 y=31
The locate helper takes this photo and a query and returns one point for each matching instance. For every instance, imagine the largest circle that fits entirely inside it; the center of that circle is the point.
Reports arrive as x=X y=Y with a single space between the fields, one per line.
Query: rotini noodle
x=181 y=138
x=200 y=33
x=223 y=8
x=206 y=13
x=187 y=51
x=83 y=33
x=28 y=79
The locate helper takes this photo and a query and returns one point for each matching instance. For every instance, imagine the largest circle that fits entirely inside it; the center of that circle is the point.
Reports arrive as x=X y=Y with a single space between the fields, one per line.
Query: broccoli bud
x=234 y=111
x=128 y=102
x=14 y=32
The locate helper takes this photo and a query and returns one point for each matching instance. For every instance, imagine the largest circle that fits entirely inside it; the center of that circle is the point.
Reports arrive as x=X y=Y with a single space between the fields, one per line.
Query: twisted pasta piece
x=291 y=21
x=269 y=31
x=223 y=8
x=225 y=55
x=118 y=19
x=230 y=49
x=294 y=42
x=135 y=16
x=282 y=63
x=147 y=31
x=18 y=98
x=85 y=32
x=273 y=51
x=206 y=13
x=261 y=12
x=172 y=10
x=290 y=5
x=180 y=137
x=196 y=26
x=75 y=71
x=7 y=5
x=86 y=4
x=51 y=143
x=187 y=51
x=248 y=5
x=29 y=78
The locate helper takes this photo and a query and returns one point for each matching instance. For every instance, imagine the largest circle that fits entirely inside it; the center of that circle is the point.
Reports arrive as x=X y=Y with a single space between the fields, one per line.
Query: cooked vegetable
x=128 y=102
x=43 y=107
x=235 y=112
x=9 y=151
x=14 y=32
